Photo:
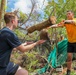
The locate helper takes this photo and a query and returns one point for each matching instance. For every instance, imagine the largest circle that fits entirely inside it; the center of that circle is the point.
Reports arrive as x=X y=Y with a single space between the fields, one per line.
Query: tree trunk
x=2 y=10
x=40 y=26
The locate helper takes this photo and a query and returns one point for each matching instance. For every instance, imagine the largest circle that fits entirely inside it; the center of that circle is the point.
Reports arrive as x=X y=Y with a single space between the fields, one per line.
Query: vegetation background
x=32 y=60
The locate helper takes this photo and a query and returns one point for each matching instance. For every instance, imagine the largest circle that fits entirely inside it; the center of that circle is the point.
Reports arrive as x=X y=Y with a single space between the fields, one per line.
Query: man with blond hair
x=9 y=41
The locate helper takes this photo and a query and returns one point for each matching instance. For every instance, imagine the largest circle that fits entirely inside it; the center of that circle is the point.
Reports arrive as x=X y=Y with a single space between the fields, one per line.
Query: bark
x=40 y=26
x=2 y=10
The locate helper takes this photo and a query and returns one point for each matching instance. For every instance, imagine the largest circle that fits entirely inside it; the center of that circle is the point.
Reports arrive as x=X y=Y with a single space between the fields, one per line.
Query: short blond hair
x=9 y=16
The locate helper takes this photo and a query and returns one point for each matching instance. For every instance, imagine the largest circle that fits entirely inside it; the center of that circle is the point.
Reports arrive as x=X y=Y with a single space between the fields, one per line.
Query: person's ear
x=12 y=21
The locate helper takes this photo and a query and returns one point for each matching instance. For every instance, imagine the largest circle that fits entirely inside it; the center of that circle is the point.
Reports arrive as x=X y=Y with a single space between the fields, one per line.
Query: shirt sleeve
x=13 y=40
x=74 y=20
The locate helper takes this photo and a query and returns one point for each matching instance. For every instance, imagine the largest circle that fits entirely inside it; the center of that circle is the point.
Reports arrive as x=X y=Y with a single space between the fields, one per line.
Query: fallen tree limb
x=45 y=24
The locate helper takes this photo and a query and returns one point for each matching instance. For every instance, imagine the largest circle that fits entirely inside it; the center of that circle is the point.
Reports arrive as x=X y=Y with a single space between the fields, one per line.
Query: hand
x=40 y=42
x=61 y=23
x=29 y=42
x=24 y=44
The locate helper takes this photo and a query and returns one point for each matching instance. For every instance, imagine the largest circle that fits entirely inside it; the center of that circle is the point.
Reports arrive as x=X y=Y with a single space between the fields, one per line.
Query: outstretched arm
x=61 y=24
x=24 y=48
x=56 y=25
x=69 y=22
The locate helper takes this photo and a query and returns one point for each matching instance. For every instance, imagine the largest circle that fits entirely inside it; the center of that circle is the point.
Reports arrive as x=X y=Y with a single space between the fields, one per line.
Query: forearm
x=14 y=49
x=31 y=46
x=24 y=44
x=25 y=48
x=56 y=25
x=69 y=22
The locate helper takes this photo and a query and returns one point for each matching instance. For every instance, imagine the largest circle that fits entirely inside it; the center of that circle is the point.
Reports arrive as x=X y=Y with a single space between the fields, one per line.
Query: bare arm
x=56 y=25
x=61 y=24
x=14 y=49
x=23 y=48
x=27 y=43
x=69 y=22
x=24 y=44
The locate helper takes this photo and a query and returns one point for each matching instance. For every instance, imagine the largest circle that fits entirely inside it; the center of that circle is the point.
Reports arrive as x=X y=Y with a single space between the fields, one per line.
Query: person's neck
x=9 y=26
x=70 y=18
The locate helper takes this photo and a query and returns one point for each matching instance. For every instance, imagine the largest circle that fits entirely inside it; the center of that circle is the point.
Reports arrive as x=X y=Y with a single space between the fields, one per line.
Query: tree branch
x=33 y=5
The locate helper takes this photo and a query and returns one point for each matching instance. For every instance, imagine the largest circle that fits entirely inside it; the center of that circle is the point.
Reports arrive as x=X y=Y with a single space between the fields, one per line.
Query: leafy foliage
x=59 y=8
x=19 y=33
x=22 y=17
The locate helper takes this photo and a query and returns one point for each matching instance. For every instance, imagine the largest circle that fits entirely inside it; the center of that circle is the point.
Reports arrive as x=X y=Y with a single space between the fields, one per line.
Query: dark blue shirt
x=8 y=41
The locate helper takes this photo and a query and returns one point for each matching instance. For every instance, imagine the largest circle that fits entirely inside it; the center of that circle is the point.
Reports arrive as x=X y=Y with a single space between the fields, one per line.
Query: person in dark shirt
x=9 y=41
